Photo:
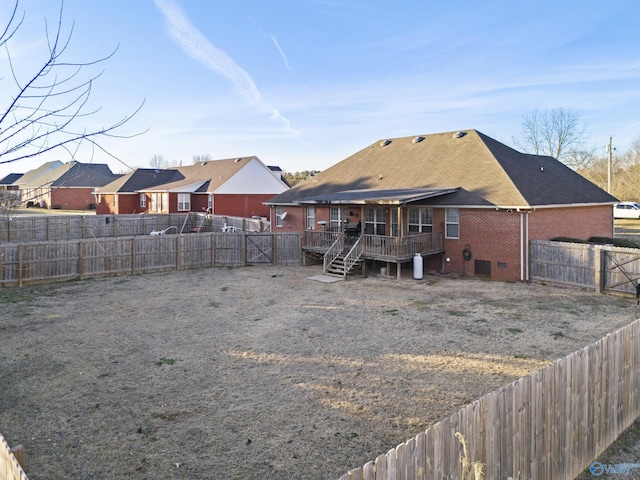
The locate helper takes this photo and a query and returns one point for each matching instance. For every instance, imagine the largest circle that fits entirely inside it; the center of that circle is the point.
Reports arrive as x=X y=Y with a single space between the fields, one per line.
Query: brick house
x=9 y=189
x=234 y=187
x=462 y=200
x=66 y=186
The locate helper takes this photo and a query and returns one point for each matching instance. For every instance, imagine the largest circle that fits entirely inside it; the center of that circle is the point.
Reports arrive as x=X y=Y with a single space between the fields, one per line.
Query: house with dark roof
x=66 y=186
x=460 y=201
x=234 y=187
x=9 y=190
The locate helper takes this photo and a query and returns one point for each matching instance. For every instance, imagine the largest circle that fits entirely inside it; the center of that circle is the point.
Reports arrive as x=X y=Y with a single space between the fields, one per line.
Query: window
x=374 y=219
x=311 y=218
x=452 y=223
x=335 y=219
x=279 y=219
x=210 y=203
x=184 y=202
x=143 y=200
x=394 y=222
x=420 y=220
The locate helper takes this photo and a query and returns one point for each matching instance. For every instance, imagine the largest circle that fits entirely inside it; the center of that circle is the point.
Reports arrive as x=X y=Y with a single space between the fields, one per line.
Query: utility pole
x=609 y=152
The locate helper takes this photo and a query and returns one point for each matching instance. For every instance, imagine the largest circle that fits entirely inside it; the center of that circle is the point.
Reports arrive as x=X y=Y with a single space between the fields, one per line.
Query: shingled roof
x=464 y=168
x=140 y=179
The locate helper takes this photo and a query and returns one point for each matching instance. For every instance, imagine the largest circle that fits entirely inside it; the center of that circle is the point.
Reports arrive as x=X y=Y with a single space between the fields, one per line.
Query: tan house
x=234 y=187
x=462 y=201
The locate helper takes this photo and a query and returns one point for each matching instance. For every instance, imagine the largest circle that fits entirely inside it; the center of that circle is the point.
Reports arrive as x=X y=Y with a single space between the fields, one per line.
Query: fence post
x=81 y=259
x=243 y=250
x=178 y=252
x=213 y=249
x=133 y=255
x=274 y=249
x=20 y=254
x=597 y=267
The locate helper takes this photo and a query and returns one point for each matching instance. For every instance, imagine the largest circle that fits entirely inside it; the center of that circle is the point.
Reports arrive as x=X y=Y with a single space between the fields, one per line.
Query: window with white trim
x=143 y=200
x=452 y=223
x=420 y=220
x=311 y=217
x=184 y=202
x=375 y=222
x=279 y=219
x=335 y=219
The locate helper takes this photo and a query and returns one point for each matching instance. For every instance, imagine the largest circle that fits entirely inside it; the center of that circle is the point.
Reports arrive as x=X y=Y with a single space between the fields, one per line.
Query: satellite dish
x=283 y=215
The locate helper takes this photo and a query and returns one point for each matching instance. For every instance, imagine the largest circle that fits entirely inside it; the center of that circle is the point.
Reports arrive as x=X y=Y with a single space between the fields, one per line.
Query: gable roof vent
x=459 y=134
x=385 y=142
x=417 y=139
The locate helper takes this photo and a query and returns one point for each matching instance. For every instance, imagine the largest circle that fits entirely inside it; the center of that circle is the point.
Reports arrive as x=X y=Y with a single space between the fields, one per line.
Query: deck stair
x=339 y=268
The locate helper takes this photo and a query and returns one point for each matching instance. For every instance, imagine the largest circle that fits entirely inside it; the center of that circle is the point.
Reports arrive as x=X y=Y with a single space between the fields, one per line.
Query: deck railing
x=319 y=241
x=381 y=246
x=334 y=252
x=385 y=247
x=353 y=255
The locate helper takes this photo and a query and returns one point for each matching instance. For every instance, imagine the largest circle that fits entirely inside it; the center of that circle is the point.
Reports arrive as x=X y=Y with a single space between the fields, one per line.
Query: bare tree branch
x=45 y=112
x=557 y=132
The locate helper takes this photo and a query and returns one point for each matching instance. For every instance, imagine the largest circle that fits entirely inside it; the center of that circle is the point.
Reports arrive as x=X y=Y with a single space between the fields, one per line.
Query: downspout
x=522 y=255
x=526 y=249
x=524 y=246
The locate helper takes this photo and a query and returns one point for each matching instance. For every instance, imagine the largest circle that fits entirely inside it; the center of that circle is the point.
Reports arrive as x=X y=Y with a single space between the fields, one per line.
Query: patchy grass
x=421 y=305
x=456 y=313
x=514 y=330
x=14 y=295
x=166 y=361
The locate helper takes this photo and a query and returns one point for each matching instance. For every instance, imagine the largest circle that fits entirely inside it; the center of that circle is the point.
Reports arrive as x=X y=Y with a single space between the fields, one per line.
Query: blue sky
x=305 y=83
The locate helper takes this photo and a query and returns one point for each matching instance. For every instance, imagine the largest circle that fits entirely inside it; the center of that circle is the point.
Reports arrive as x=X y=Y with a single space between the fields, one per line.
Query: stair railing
x=353 y=255
x=334 y=252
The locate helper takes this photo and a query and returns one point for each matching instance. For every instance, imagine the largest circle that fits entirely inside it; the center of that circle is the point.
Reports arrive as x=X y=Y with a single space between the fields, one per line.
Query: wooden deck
x=378 y=247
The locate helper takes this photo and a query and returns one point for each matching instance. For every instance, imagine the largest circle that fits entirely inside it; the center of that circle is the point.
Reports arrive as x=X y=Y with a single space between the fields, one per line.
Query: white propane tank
x=417 y=267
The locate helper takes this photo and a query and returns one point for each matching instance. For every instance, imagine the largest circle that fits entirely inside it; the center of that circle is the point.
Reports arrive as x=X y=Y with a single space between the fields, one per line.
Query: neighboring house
x=463 y=201
x=234 y=187
x=32 y=184
x=126 y=194
x=67 y=186
x=9 y=190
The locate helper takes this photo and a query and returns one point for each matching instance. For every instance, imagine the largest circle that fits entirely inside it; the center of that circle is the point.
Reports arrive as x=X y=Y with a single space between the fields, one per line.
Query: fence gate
x=621 y=270
x=259 y=248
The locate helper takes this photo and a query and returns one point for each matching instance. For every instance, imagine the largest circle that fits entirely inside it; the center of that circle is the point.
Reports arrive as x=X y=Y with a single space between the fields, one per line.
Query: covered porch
x=349 y=251
x=384 y=226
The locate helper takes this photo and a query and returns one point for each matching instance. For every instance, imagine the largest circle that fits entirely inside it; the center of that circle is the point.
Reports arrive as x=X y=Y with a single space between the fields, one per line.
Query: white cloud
x=196 y=46
x=284 y=57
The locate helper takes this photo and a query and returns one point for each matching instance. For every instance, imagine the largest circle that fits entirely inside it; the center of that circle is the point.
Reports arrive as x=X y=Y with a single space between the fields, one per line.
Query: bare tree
x=201 y=158
x=46 y=109
x=557 y=132
x=159 y=162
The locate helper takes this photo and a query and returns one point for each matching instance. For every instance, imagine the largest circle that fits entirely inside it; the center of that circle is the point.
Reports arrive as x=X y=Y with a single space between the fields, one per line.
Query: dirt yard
x=263 y=373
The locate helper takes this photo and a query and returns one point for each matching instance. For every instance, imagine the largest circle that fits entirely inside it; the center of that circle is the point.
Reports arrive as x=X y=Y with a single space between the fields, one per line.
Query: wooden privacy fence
x=40 y=262
x=552 y=423
x=603 y=267
x=10 y=467
x=34 y=228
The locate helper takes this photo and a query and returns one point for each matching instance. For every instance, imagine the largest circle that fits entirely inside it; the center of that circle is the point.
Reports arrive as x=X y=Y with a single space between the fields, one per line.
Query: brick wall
x=577 y=222
x=491 y=236
x=71 y=198
x=241 y=205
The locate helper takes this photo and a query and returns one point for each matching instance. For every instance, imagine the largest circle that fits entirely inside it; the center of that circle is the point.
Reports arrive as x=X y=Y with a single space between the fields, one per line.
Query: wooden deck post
x=18 y=452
